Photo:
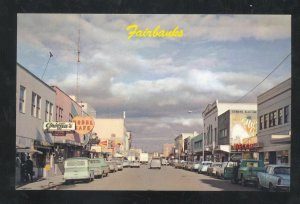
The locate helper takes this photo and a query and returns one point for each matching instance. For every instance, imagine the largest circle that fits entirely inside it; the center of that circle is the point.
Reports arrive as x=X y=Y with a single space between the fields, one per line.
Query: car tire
x=260 y=187
x=271 y=188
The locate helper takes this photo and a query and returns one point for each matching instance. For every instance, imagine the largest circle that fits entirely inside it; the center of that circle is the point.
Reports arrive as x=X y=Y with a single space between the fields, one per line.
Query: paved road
x=166 y=179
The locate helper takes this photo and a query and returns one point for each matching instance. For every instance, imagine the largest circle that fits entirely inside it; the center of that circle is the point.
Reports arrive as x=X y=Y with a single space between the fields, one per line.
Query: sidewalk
x=43 y=184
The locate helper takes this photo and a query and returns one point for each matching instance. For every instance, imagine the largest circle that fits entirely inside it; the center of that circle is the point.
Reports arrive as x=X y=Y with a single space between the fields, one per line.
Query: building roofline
x=65 y=94
x=274 y=87
x=21 y=66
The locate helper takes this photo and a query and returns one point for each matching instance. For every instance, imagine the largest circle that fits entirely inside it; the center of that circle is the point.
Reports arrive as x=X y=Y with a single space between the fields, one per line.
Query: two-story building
x=236 y=128
x=197 y=147
x=274 y=126
x=210 y=121
x=35 y=105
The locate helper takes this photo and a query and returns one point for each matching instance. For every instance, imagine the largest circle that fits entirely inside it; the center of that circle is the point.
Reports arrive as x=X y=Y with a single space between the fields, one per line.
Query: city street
x=166 y=179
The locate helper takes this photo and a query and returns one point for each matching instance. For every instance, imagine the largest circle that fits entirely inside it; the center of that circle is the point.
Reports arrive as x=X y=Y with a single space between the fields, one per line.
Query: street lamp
x=190 y=111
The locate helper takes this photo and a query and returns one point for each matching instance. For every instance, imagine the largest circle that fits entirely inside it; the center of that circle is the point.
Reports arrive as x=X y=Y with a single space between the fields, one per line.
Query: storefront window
x=266 y=158
x=282 y=157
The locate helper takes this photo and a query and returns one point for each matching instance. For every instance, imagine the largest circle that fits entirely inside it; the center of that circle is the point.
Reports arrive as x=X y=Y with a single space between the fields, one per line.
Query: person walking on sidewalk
x=29 y=169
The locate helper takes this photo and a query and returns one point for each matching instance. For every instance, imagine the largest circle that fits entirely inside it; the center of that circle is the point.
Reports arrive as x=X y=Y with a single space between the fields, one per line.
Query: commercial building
x=113 y=132
x=274 y=127
x=237 y=129
x=35 y=105
x=179 y=145
x=67 y=143
x=197 y=147
x=210 y=120
x=167 y=150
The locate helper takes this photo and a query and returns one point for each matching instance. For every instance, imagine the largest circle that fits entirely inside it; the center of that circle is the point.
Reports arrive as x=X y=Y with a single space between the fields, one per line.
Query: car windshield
x=217 y=165
x=155 y=161
x=230 y=164
x=282 y=170
x=252 y=164
x=73 y=163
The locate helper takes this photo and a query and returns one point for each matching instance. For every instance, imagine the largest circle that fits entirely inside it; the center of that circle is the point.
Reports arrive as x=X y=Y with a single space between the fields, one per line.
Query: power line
x=265 y=78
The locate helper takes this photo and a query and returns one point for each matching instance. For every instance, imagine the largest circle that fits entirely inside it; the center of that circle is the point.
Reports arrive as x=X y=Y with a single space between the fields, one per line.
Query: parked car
x=155 y=163
x=126 y=164
x=176 y=164
x=173 y=162
x=181 y=164
x=135 y=164
x=119 y=164
x=100 y=167
x=112 y=166
x=189 y=165
x=203 y=167
x=78 y=168
x=196 y=165
x=226 y=171
x=274 y=178
x=211 y=170
x=164 y=162
x=247 y=172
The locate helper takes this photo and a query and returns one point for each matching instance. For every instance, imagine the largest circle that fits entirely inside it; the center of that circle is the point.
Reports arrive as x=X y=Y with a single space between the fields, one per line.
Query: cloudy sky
x=157 y=80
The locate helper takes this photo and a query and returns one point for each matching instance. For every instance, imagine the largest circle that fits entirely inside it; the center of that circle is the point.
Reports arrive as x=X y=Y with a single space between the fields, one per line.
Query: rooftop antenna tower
x=78 y=62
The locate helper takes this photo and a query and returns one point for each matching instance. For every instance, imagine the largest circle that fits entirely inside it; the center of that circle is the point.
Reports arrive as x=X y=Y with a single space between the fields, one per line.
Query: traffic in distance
x=250 y=173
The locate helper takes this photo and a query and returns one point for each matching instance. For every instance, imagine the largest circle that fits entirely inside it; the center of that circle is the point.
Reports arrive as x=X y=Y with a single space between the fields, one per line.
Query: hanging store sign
x=59 y=133
x=83 y=124
x=104 y=143
x=58 y=126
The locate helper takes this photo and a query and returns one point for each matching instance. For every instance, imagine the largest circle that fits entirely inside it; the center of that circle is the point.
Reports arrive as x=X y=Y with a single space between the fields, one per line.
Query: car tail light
x=279 y=181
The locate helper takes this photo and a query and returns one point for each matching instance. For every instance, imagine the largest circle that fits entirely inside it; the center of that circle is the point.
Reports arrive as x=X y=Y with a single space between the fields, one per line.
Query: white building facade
x=274 y=124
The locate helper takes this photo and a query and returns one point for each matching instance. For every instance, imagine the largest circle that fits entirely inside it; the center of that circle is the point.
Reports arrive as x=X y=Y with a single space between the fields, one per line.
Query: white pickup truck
x=275 y=178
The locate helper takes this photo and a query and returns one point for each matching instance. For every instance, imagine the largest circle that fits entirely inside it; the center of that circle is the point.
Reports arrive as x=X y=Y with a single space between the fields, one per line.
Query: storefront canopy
x=25 y=150
x=118 y=155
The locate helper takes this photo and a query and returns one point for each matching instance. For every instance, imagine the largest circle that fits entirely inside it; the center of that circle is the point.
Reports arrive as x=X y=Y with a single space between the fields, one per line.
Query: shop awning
x=280 y=138
x=70 y=142
x=118 y=155
x=26 y=150
x=223 y=148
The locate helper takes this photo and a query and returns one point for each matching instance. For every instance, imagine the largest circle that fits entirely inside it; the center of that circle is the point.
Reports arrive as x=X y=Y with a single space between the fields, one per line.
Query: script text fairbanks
x=156 y=33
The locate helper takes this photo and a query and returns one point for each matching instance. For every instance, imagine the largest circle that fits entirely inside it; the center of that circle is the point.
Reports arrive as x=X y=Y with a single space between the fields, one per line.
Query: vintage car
x=195 y=166
x=100 y=167
x=155 y=163
x=135 y=164
x=275 y=178
x=176 y=164
x=78 y=168
x=119 y=164
x=226 y=170
x=189 y=165
x=181 y=164
x=126 y=164
x=112 y=166
x=203 y=166
x=211 y=170
x=247 y=172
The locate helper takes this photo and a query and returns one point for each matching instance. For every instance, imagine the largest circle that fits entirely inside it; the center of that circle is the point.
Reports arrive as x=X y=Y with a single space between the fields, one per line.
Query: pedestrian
x=23 y=168
x=29 y=169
